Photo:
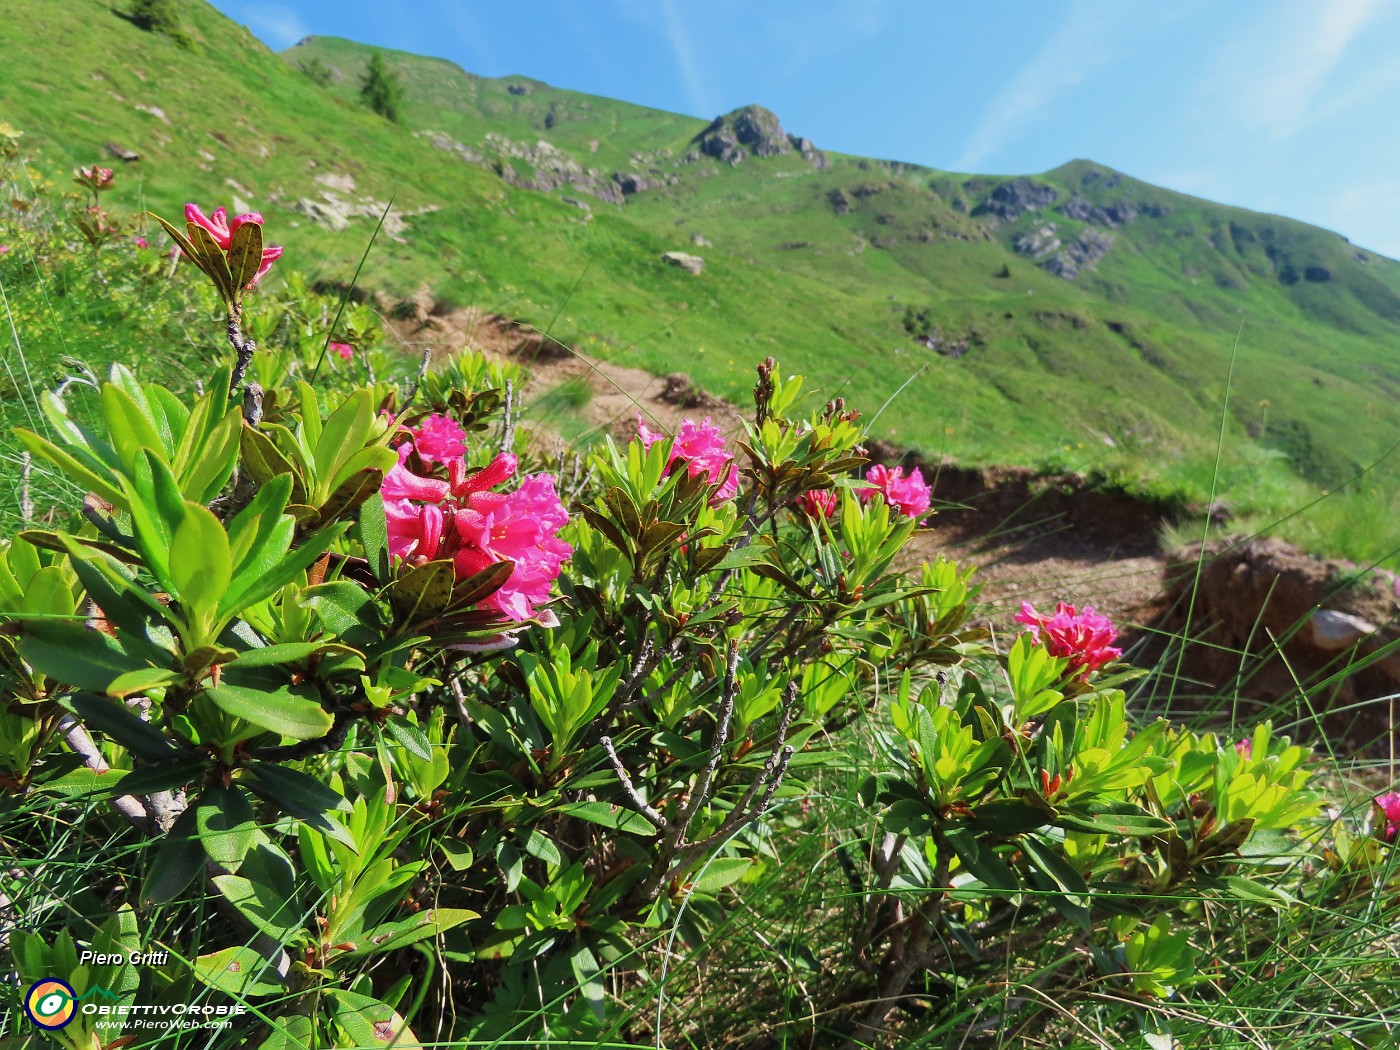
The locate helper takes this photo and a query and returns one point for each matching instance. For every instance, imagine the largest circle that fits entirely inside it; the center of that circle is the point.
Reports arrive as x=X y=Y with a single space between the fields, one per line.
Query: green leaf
x=201 y=565
x=342 y=435
x=1119 y=819
x=538 y=844
x=458 y=854
x=373 y=533
x=163 y=776
x=129 y=428
x=1010 y=816
x=178 y=858
x=609 y=816
x=209 y=257
x=721 y=872
x=113 y=718
x=142 y=681
x=262 y=905
x=239 y=971
x=1046 y=859
x=742 y=558
x=367 y=1023
x=409 y=736
x=430 y=923
x=264 y=461
x=75 y=654
x=100 y=484
x=982 y=862
x=303 y=796
x=424 y=592
x=227 y=827
x=245 y=253
x=281 y=712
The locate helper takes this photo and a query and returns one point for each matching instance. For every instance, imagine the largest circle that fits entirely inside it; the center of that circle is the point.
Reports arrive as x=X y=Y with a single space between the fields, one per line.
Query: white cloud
x=276 y=26
x=679 y=40
x=1084 y=42
x=1273 y=76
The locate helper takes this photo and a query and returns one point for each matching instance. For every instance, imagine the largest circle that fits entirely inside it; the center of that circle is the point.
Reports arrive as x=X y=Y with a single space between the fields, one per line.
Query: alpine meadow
x=488 y=565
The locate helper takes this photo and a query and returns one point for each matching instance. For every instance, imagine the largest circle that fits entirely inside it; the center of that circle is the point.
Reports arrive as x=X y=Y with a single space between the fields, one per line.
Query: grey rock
x=630 y=182
x=1015 y=197
x=1113 y=215
x=1332 y=630
x=1083 y=253
x=753 y=131
x=1037 y=243
x=330 y=214
x=691 y=264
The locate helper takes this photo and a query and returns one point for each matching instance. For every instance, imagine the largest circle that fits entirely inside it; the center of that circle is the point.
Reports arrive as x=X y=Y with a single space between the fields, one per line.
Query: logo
x=51 y=1003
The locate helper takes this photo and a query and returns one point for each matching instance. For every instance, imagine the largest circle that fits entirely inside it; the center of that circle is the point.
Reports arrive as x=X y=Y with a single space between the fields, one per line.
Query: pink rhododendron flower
x=1389 y=805
x=344 y=351
x=439 y=440
x=140 y=241
x=701 y=446
x=94 y=178
x=222 y=230
x=1085 y=638
x=817 y=503
x=1244 y=748
x=4 y=248
x=461 y=519
x=910 y=495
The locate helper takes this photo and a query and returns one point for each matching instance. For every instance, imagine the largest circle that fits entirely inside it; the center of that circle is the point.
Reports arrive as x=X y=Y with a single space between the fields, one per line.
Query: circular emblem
x=51 y=1003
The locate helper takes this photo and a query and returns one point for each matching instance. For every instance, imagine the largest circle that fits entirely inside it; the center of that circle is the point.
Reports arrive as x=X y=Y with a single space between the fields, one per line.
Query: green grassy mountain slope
x=1079 y=315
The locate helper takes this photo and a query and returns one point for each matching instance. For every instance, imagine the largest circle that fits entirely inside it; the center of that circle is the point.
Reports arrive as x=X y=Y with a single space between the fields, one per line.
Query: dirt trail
x=1025 y=547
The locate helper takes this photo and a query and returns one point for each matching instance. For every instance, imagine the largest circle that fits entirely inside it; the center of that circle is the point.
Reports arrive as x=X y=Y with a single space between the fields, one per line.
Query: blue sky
x=1285 y=106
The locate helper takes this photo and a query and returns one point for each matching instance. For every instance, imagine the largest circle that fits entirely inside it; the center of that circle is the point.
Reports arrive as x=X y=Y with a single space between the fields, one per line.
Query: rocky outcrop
x=691 y=264
x=1013 y=198
x=752 y=131
x=1038 y=242
x=336 y=206
x=443 y=141
x=1083 y=253
x=545 y=167
x=1112 y=215
x=630 y=182
x=1268 y=623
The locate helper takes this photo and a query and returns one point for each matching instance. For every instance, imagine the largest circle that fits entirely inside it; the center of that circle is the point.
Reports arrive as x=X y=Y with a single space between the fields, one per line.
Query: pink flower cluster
x=817 y=503
x=1389 y=805
x=222 y=229
x=344 y=351
x=701 y=447
x=1244 y=748
x=1085 y=638
x=908 y=494
x=94 y=178
x=461 y=519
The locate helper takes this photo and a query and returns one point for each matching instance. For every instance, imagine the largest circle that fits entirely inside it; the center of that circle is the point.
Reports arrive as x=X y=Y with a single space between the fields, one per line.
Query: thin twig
x=661 y=823
x=726 y=714
x=26 y=497
x=244 y=348
x=77 y=737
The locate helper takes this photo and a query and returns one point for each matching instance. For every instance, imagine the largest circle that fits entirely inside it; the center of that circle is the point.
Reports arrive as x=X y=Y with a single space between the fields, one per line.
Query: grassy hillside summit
x=1077 y=318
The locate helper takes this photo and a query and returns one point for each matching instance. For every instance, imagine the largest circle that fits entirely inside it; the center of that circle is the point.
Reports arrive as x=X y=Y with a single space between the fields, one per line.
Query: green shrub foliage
x=374 y=788
x=381 y=89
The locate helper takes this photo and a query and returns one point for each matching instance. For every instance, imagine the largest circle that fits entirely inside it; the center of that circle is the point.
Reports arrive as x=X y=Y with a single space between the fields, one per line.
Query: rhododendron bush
x=437 y=734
